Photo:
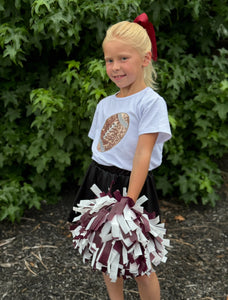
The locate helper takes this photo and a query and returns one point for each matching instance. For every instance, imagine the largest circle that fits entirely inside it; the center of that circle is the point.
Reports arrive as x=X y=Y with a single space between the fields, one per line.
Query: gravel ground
x=37 y=259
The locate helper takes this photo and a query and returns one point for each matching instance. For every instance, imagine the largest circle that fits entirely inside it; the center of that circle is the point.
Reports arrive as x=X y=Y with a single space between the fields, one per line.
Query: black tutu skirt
x=110 y=179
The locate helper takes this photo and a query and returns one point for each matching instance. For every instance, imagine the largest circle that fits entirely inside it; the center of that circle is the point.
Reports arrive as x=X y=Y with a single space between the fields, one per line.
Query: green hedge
x=52 y=76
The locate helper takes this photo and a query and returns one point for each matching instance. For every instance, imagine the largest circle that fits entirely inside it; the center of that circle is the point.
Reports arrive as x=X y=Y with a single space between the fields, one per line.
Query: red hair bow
x=144 y=22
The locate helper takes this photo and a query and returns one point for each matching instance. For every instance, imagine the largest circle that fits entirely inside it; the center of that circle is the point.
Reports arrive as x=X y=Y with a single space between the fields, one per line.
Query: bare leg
x=148 y=287
x=115 y=289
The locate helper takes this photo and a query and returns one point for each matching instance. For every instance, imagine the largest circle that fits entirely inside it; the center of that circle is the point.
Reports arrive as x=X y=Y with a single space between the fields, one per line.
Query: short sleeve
x=92 y=131
x=154 y=118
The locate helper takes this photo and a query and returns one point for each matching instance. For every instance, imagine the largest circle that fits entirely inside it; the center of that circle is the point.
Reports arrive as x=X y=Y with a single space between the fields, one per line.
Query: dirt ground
x=37 y=259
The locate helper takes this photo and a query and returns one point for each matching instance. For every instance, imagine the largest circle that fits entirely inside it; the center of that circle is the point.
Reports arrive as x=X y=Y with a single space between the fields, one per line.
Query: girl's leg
x=148 y=287
x=115 y=289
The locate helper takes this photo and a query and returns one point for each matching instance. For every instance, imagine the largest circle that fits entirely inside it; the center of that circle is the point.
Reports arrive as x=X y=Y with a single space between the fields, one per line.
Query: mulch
x=37 y=259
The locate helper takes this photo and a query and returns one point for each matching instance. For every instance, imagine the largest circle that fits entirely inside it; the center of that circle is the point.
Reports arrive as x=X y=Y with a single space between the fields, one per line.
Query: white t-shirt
x=118 y=122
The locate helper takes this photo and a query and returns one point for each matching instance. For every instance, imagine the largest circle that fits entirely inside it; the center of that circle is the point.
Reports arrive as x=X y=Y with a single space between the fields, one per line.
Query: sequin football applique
x=113 y=131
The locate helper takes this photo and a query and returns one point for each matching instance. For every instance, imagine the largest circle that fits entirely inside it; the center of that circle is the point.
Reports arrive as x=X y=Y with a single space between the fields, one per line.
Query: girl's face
x=125 y=66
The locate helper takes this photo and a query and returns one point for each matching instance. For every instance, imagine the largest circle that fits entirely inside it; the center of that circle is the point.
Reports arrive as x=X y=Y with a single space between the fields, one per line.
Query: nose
x=116 y=65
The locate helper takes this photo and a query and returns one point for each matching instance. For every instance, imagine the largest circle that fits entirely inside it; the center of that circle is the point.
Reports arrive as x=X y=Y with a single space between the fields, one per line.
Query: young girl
x=128 y=130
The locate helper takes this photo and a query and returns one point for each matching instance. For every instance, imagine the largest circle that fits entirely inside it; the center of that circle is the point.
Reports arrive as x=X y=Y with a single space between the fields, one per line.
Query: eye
x=124 y=58
x=108 y=60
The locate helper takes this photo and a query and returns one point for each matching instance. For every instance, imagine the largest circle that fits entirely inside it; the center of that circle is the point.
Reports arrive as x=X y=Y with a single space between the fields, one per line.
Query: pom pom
x=118 y=236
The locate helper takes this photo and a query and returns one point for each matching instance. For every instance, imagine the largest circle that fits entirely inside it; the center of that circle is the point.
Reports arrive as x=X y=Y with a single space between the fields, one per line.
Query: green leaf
x=13 y=114
x=39 y=3
x=172 y=121
x=221 y=109
x=224 y=85
x=60 y=136
x=11 y=52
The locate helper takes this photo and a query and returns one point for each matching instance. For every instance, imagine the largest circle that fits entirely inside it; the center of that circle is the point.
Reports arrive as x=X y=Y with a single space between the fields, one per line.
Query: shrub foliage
x=52 y=76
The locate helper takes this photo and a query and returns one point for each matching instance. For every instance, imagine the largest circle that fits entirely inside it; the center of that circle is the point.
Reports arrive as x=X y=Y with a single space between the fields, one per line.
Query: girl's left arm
x=141 y=163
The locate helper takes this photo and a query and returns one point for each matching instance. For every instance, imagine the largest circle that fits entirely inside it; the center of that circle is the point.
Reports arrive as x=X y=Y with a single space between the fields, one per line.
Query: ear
x=147 y=59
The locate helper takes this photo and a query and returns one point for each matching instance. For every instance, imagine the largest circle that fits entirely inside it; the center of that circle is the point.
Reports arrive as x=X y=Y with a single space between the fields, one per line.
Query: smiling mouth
x=118 y=77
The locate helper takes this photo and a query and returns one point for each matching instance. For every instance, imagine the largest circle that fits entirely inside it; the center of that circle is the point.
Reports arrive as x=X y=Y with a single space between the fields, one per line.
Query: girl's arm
x=141 y=164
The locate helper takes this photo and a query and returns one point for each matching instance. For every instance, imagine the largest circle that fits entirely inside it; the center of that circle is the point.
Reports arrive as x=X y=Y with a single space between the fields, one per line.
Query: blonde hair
x=136 y=36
